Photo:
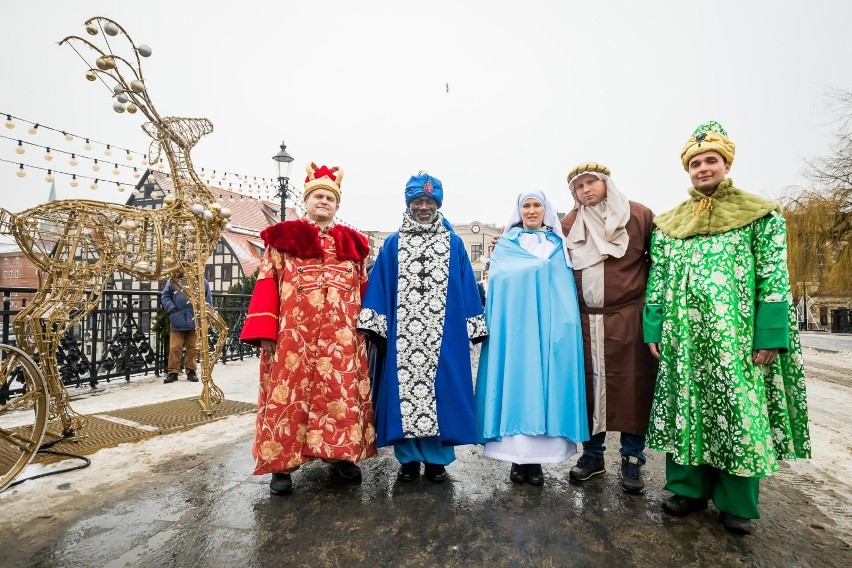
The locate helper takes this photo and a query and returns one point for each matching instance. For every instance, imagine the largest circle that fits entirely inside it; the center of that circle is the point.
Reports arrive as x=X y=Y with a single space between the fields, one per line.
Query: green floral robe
x=711 y=300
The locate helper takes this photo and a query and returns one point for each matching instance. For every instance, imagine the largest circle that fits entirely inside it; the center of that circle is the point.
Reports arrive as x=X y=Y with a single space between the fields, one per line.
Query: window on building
x=823 y=315
x=475 y=251
x=210 y=273
x=17 y=273
x=227 y=272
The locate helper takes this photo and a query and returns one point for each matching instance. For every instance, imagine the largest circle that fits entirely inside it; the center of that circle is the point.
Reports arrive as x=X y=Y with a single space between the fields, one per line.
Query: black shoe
x=534 y=474
x=435 y=473
x=586 y=467
x=680 y=505
x=518 y=474
x=170 y=378
x=281 y=484
x=192 y=377
x=735 y=524
x=409 y=471
x=347 y=470
x=631 y=475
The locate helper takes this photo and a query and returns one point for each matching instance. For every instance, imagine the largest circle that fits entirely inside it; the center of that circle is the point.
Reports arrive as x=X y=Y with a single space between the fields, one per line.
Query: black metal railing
x=127 y=334
x=841 y=320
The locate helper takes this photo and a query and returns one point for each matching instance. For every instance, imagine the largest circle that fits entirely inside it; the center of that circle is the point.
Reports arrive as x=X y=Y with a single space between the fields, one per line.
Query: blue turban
x=424 y=185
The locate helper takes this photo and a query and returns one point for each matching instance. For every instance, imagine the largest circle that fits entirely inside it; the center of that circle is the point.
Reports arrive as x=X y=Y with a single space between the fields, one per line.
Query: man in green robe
x=730 y=396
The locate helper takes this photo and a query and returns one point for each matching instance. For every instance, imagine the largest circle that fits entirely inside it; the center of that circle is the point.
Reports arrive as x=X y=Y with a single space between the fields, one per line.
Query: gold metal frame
x=23 y=419
x=78 y=244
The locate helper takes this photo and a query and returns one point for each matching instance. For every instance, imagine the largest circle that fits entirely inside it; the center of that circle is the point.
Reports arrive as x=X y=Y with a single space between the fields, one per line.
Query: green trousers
x=731 y=494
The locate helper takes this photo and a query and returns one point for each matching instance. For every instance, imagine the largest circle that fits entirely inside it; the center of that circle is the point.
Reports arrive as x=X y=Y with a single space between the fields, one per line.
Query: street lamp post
x=284 y=162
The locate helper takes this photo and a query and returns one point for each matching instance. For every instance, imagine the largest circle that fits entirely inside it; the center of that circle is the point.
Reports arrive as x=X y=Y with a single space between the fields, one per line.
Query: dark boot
x=735 y=524
x=435 y=473
x=680 y=505
x=587 y=466
x=409 y=471
x=170 y=378
x=191 y=377
x=347 y=470
x=518 y=474
x=534 y=474
x=281 y=484
x=631 y=475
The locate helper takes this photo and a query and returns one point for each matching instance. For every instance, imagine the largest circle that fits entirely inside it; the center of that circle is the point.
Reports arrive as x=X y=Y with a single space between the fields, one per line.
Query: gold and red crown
x=323 y=177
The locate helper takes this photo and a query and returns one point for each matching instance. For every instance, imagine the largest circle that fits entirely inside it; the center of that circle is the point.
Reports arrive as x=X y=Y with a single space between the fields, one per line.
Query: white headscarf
x=551 y=220
x=599 y=231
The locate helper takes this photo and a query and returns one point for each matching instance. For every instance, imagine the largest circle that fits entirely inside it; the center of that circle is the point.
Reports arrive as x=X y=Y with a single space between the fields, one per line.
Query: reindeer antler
x=129 y=92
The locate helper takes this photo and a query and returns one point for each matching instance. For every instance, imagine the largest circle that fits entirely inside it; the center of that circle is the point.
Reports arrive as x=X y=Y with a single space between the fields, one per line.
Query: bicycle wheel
x=24 y=403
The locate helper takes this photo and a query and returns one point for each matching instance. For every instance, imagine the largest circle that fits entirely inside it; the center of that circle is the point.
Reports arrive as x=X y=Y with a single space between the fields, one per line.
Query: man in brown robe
x=609 y=238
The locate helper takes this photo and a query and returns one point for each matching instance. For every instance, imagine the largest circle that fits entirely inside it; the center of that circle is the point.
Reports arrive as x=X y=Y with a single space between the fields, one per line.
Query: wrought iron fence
x=841 y=320
x=127 y=334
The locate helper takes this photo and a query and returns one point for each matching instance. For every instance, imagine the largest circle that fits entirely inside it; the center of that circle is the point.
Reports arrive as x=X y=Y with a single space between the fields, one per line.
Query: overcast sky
x=534 y=89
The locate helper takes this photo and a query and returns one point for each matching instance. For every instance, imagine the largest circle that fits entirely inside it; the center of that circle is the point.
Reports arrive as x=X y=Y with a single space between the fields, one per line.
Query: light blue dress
x=530 y=390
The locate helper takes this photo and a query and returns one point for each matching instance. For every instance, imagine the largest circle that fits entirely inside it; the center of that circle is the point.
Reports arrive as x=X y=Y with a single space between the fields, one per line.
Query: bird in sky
x=448 y=87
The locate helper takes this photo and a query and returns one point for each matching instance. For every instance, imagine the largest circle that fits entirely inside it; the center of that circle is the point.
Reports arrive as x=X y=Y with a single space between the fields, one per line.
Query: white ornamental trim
x=476 y=327
x=372 y=320
x=424 y=268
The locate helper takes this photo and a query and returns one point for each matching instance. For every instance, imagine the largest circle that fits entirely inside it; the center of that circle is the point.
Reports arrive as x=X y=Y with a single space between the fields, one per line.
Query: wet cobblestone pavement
x=210 y=511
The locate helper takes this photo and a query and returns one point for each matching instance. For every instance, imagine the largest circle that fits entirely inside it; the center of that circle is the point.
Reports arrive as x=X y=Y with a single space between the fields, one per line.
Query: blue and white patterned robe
x=422 y=303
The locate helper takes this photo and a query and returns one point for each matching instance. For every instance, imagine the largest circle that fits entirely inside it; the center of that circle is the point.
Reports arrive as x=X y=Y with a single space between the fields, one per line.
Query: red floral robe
x=314 y=399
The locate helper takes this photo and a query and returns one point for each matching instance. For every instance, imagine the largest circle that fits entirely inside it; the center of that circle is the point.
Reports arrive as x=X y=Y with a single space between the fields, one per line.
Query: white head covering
x=599 y=231
x=550 y=221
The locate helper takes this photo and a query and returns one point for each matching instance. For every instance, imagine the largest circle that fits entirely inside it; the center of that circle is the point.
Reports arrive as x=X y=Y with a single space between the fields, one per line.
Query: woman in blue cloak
x=530 y=391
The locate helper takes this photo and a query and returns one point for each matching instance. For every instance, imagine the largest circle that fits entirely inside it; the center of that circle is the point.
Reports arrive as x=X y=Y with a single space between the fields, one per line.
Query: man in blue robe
x=422 y=308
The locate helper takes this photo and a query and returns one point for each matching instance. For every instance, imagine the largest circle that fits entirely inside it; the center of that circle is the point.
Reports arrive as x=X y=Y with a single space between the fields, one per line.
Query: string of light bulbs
x=49 y=154
x=261 y=185
x=70 y=137
x=121 y=186
x=75 y=177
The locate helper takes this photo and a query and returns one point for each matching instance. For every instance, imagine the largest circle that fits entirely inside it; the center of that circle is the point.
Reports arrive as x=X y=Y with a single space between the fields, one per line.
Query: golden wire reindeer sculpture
x=78 y=244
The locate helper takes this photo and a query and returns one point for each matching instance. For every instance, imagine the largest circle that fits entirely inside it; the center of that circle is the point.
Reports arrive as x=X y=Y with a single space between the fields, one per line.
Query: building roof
x=249 y=216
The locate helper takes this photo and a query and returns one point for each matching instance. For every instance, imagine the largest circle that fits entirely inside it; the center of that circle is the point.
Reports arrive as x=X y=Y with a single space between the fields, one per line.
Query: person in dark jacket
x=182 y=325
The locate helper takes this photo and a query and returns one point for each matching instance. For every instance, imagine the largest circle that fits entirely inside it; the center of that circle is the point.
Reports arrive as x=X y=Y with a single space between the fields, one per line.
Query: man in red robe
x=314 y=400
